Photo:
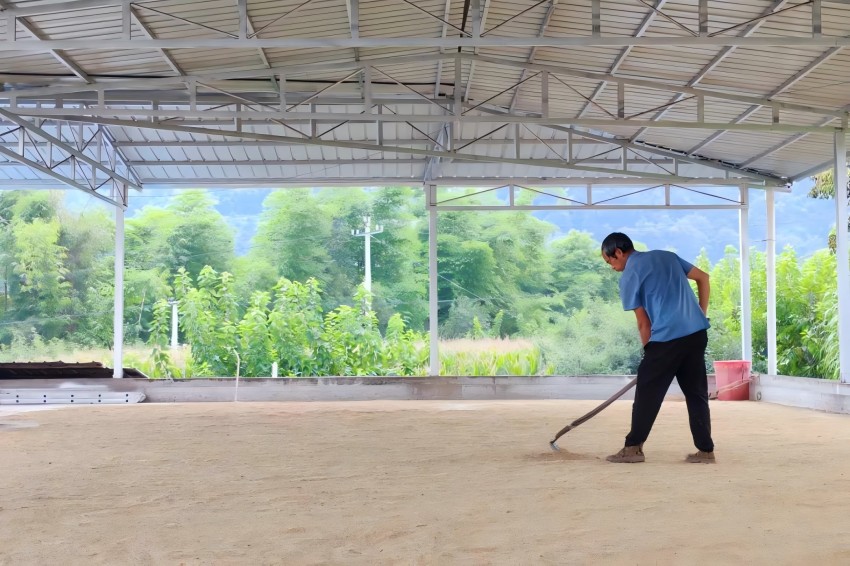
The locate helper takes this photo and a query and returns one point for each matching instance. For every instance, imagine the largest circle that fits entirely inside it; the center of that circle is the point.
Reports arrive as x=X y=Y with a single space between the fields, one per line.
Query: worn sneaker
x=628 y=455
x=701 y=457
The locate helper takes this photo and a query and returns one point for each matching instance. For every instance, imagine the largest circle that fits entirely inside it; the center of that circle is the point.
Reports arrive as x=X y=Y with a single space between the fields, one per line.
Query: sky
x=801 y=222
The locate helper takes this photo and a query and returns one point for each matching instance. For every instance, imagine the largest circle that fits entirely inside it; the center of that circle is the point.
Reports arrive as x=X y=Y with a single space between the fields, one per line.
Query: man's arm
x=644 y=326
x=703 y=287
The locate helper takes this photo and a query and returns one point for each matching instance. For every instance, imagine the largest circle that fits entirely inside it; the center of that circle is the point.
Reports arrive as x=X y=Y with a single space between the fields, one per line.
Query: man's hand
x=644 y=326
x=703 y=287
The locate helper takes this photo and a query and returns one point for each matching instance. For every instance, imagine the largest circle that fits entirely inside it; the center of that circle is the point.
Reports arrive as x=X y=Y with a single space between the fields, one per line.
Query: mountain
x=801 y=222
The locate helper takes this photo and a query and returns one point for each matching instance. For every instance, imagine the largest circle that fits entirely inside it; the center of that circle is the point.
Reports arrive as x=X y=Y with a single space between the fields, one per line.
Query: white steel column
x=174 y=323
x=746 y=305
x=771 y=283
x=841 y=249
x=433 y=304
x=118 y=320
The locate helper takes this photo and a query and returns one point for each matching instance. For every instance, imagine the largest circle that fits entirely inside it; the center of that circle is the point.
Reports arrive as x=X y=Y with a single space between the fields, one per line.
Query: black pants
x=683 y=358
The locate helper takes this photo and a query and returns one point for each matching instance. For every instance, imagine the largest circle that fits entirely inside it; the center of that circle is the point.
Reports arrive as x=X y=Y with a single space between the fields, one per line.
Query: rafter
x=621 y=56
x=791 y=81
x=353 y=9
x=58 y=54
x=547 y=17
x=169 y=59
x=455 y=155
x=293 y=117
x=297 y=162
x=554 y=70
x=32 y=129
x=38 y=46
x=399 y=141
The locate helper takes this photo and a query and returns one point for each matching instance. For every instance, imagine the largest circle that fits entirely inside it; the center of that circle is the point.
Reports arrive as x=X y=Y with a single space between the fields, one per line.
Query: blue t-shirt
x=657 y=281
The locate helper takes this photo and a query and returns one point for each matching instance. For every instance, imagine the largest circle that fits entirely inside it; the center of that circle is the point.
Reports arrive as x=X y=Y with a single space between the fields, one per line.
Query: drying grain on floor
x=417 y=482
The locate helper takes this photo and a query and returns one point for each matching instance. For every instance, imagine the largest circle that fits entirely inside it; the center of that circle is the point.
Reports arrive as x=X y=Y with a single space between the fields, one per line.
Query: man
x=672 y=325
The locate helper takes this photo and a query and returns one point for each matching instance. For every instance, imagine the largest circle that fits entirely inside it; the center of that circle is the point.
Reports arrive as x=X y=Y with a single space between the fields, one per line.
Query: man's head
x=616 y=248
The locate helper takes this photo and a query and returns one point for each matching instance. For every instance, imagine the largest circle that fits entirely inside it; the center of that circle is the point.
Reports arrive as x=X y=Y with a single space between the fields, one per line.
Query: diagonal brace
x=59 y=144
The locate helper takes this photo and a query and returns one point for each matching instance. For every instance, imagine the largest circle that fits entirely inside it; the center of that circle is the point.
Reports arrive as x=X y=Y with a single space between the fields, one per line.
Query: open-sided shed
x=562 y=97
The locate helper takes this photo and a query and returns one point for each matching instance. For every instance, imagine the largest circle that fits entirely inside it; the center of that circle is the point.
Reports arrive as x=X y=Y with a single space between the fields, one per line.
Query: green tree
x=255 y=344
x=34 y=263
x=579 y=274
x=187 y=234
x=201 y=236
x=824 y=188
x=293 y=234
x=89 y=238
x=295 y=328
x=209 y=319
x=600 y=338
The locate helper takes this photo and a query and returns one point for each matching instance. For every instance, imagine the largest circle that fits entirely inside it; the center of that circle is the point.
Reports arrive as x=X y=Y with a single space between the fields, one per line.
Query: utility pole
x=173 y=303
x=367 y=233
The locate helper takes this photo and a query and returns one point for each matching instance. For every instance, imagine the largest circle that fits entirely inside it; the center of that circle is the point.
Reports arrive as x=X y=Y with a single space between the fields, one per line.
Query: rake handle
x=594 y=412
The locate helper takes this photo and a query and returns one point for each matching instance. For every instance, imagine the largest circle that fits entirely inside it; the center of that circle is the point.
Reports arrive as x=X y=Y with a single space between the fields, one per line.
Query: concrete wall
x=808 y=393
x=367 y=388
x=354 y=388
x=819 y=394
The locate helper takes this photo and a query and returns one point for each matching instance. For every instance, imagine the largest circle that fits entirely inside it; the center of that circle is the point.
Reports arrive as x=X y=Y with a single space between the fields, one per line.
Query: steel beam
x=402 y=141
x=717 y=59
x=658 y=85
x=45 y=170
x=243 y=182
x=321 y=116
x=621 y=56
x=641 y=147
x=555 y=71
x=58 y=54
x=455 y=155
x=492 y=208
x=36 y=46
x=63 y=146
x=791 y=81
x=169 y=59
x=364 y=161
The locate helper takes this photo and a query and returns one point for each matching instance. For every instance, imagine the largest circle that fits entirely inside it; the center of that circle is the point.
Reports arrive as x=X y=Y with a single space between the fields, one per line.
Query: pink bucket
x=733 y=380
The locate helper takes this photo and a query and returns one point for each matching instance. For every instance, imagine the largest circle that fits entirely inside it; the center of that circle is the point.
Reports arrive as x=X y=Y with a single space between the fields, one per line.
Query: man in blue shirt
x=672 y=325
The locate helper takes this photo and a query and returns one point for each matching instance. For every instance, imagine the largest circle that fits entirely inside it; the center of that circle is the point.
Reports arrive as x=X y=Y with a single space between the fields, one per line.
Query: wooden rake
x=591 y=414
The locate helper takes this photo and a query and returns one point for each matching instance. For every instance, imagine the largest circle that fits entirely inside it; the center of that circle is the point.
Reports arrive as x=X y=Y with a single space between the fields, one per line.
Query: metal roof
x=100 y=94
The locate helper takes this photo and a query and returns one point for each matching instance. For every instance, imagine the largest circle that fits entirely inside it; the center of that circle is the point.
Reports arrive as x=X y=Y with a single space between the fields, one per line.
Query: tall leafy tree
x=293 y=235
x=201 y=236
x=35 y=262
x=189 y=233
x=824 y=188
x=89 y=238
x=578 y=273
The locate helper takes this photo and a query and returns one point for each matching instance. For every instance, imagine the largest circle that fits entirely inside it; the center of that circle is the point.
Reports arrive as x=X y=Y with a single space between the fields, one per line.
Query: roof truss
x=540 y=113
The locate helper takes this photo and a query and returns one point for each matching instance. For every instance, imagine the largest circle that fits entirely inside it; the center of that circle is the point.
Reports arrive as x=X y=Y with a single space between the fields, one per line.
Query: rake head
x=562 y=432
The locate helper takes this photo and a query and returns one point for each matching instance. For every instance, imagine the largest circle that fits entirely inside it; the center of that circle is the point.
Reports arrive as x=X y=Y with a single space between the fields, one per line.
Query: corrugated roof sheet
x=809 y=75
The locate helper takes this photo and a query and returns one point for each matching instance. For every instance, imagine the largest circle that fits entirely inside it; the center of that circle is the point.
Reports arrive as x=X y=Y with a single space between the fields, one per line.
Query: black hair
x=615 y=241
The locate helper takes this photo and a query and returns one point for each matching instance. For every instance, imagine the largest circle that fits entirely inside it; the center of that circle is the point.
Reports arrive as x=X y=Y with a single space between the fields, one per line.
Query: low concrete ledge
x=818 y=394
x=597 y=387
x=805 y=392
x=395 y=388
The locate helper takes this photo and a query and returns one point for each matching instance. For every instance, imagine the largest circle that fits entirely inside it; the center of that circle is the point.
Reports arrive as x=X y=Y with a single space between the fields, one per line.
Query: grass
x=464 y=357
x=491 y=356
